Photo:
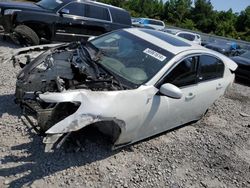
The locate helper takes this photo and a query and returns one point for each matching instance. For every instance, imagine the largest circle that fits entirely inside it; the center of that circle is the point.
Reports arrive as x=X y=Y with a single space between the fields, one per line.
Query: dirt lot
x=214 y=152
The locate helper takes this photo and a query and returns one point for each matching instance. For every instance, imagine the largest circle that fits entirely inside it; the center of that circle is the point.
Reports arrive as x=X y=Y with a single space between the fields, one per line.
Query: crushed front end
x=67 y=67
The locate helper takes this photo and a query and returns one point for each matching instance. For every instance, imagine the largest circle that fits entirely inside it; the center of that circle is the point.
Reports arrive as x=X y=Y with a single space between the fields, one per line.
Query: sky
x=236 y=5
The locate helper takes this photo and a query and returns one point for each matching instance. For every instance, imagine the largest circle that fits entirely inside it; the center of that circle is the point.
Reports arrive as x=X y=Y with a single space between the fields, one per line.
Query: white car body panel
x=148 y=114
x=197 y=37
x=143 y=112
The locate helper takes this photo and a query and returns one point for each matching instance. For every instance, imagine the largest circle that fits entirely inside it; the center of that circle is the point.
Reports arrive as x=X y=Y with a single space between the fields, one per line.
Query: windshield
x=49 y=4
x=131 y=57
x=246 y=55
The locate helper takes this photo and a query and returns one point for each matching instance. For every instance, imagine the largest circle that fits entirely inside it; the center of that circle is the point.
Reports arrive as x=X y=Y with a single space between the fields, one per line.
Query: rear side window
x=76 y=9
x=97 y=12
x=210 y=68
x=184 y=74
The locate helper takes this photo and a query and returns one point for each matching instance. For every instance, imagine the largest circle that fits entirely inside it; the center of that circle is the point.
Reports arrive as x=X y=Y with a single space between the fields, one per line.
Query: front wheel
x=26 y=36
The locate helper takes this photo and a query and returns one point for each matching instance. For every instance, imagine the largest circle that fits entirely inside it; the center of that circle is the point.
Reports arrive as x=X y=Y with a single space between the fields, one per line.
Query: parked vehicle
x=131 y=84
x=186 y=35
x=228 y=49
x=60 y=20
x=148 y=23
x=243 y=62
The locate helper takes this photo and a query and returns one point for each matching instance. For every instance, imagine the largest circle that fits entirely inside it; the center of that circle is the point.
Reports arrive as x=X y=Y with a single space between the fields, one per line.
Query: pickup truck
x=60 y=20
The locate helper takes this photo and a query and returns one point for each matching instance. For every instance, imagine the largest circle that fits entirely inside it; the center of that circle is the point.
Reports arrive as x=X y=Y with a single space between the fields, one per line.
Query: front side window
x=50 y=4
x=96 y=12
x=131 y=57
x=76 y=9
x=210 y=68
x=184 y=74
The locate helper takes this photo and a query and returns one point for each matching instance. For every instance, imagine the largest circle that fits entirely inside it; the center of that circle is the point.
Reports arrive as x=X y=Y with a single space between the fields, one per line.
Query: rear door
x=70 y=25
x=98 y=19
x=211 y=82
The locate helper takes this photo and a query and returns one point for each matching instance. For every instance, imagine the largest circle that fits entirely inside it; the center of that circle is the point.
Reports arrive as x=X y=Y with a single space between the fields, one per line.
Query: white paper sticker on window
x=155 y=54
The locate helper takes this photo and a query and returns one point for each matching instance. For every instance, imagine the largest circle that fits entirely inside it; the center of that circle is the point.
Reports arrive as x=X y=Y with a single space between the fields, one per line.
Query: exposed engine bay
x=69 y=66
x=65 y=67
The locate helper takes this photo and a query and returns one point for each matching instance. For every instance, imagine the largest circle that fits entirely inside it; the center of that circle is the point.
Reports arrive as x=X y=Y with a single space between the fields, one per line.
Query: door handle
x=190 y=96
x=219 y=86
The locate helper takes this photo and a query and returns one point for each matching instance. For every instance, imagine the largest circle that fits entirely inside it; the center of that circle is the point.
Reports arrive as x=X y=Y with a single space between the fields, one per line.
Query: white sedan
x=131 y=84
x=195 y=38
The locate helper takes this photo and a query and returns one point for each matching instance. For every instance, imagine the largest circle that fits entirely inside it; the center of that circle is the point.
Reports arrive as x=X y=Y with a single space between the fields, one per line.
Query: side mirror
x=171 y=90
x=64 y=11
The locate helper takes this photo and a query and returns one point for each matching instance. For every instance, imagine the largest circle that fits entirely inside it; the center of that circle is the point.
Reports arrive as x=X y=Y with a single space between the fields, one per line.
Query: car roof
x=164 y=40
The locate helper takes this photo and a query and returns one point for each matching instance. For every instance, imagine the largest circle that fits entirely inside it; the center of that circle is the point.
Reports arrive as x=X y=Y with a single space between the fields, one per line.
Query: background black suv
x=60 y=20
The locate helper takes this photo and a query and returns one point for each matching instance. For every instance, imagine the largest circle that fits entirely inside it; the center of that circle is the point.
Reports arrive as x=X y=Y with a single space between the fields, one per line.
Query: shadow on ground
x=8 y=105
x=7 y=42
x=38 y=164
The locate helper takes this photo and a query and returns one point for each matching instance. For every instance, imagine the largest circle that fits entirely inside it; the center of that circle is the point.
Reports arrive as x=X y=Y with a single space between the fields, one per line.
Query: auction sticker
x=155 y=54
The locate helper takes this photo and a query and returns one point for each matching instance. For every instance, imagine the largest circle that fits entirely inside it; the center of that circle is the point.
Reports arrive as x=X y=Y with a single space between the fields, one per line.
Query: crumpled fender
x=121 y=107
x=80 y=121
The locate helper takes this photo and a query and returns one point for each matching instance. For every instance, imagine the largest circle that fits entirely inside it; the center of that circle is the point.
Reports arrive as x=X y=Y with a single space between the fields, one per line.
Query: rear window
x=155 y=22
x=187 y=36
x=96 y=12
x=163 y=36
x=210 y=68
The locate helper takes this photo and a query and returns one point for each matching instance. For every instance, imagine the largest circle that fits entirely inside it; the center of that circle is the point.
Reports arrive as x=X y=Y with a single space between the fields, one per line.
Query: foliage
x=200 y=16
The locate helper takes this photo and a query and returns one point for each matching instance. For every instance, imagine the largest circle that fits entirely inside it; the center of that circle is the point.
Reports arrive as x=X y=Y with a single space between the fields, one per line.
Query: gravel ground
x=213 y=152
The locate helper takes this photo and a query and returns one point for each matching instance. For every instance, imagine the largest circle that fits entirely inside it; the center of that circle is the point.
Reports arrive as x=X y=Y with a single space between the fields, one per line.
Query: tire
x=26 y=35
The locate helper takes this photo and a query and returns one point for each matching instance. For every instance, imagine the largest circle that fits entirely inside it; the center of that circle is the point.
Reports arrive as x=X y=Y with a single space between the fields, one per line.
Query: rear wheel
x=26 y=36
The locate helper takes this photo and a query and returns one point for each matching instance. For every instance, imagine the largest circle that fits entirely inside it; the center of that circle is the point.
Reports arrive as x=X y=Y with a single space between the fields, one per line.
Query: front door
x=167 y=113
x=80 y=21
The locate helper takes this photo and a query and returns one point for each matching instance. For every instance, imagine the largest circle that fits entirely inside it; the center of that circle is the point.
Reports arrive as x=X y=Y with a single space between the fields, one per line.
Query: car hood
x=219 y=47
x=241 y=60
x=21 y=6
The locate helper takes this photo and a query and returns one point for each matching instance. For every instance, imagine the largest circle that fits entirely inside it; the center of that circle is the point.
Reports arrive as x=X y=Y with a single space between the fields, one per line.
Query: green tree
x=243 y=20
x=203 y=15
x=200 y=17
x=226 y=24
x=176 y=11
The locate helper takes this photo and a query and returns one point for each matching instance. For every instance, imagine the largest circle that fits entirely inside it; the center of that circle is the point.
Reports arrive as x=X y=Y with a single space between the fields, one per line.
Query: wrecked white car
x=131 y=84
